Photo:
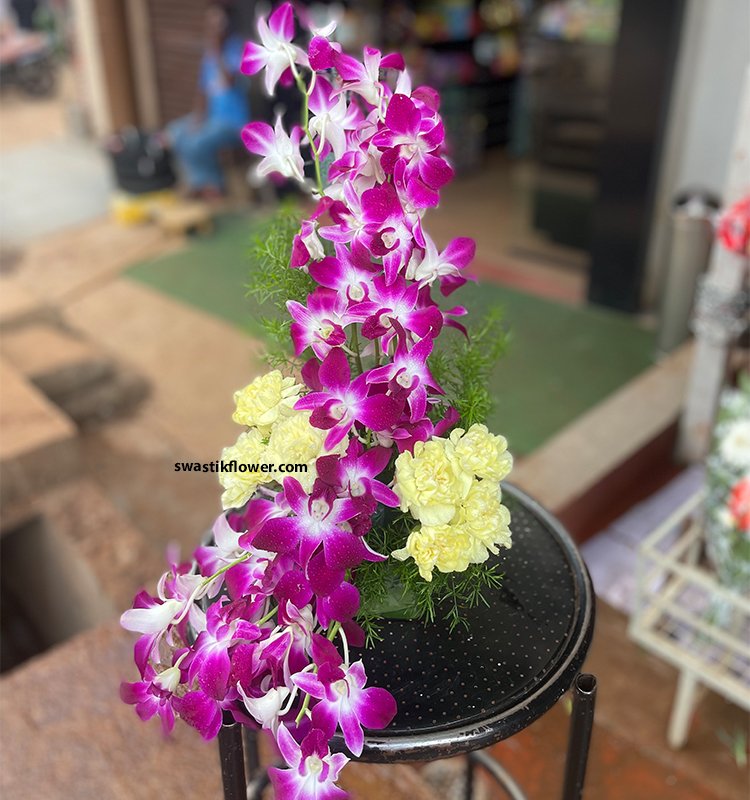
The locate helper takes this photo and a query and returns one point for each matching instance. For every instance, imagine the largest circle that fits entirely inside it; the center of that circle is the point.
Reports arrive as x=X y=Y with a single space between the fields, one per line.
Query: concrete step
x=19 y=306
x=76 y=375
x=72 y=563
x=38 y=447
x=66 y=735
x=55 y=361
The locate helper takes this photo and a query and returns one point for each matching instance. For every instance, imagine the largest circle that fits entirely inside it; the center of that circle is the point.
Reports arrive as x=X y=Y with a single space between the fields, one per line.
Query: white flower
x=734 y=446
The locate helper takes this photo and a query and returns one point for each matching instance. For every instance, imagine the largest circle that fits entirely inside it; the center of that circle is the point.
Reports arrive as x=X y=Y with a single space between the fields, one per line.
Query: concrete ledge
x=38 y=447
x=57 y=363
x=19 y=307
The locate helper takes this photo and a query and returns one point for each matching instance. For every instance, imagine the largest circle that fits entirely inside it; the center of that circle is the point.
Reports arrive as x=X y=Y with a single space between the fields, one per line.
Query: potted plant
x=365 y=483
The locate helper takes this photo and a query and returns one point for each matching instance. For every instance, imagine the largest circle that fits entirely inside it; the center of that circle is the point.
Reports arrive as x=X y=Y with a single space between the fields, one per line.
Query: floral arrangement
x=398 y=508
x=728 y=479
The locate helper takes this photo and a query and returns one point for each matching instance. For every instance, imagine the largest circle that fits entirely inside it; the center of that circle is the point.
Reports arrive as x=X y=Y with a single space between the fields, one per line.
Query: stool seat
x=467 y=689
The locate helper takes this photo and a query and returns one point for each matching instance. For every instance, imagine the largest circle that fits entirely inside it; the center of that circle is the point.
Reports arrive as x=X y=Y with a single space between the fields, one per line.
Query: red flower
x=739 y=504
x=734 y=227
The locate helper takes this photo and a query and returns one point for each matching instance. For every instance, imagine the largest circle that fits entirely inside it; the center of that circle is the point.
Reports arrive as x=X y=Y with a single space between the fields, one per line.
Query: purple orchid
x=200 y=712
x=409 y=370
x=317 y=521
x=356 y=473
x=344 y=401
x=333 y=117
x=279 y=150
x=153 y=695
x=363 y=77
x=343 y=700
x=398 y=305
x=350 y=273
x=227 y=549
x=414 y=138
x=313 y=769
x=209 y=662
x=445 y=267
x=320 y=324
x=275 y=53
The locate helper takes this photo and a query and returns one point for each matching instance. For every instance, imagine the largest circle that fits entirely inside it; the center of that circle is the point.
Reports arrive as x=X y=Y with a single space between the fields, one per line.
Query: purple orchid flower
x=317 y=522
x=332 y=118
x=209 y=661
x=321 y=53
x=363 y=77
x=351 y=274
x=414 y=138
x=446 y=267
x=425 y=301
x=398 y=305
x=265 y=708
x=356 y=473
x=313 y=768
x=409 y=370
x=342 y=402
x=285 y=650
x=227 y=549
x=306 y=245
x=375 y=219
x=276 y=53
x=319 y=325
x=200 y=712
x=343 y=700
x=406 y=434
x=153 y=695
x=280 y=151
x=359 y=167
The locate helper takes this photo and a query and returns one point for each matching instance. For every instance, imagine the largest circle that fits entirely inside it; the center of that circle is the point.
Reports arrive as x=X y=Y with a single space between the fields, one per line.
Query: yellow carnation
x=482 y=453
x=240 y=486
x=267 y=399
x=294 y=440
x=485 y=519
x=445 y=547
x=431 y=483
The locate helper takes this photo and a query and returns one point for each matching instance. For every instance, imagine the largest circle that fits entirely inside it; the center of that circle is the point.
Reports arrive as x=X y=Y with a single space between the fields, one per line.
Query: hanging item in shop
x=365 y=483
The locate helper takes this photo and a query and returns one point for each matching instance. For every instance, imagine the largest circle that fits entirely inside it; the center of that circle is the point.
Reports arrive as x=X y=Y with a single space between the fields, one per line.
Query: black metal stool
x=463 y=691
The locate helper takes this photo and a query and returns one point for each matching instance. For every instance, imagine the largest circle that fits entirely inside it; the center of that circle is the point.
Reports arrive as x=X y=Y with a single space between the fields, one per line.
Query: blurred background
x=594 y=141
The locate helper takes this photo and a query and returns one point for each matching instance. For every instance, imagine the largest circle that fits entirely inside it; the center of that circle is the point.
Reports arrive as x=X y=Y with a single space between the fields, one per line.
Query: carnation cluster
x=259 y=625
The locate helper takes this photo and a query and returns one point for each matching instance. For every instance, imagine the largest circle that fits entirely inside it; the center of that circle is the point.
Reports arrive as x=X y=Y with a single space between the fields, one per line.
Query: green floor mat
x=561 y=360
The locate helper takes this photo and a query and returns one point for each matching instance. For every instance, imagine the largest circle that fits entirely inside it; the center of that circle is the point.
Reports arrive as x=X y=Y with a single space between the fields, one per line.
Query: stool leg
x=469 y=784
x=579 y=738
x=682 y=710
x=232 y=760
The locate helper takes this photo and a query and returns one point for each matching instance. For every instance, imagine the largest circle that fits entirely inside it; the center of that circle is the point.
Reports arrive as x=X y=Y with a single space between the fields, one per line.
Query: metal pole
x=469 y=785
x=232 y=759
x=579 y=738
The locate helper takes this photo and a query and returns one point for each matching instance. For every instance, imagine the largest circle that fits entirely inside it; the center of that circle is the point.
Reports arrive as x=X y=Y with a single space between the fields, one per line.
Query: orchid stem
x=303 y=710
x=267 y=616
x=306 y=124
x=355 y=347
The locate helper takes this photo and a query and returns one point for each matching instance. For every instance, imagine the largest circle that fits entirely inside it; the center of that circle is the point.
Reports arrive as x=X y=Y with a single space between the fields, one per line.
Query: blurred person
x=220 y=112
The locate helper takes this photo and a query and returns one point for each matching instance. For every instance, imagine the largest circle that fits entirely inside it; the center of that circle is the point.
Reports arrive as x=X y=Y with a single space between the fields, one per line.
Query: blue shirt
x=225 y=102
